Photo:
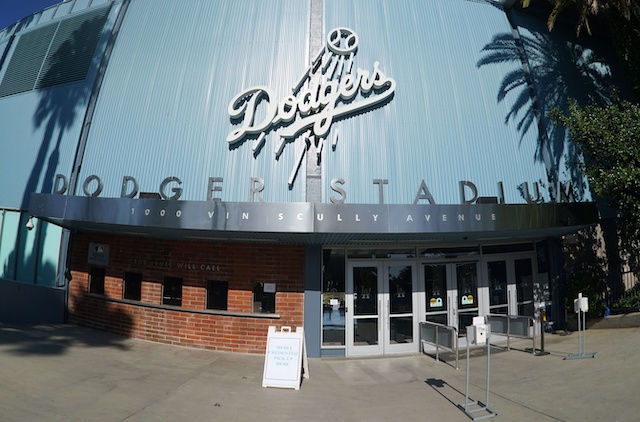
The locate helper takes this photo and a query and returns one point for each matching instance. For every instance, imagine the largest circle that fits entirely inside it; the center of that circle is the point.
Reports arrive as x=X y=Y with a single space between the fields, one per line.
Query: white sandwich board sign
x=285 y=359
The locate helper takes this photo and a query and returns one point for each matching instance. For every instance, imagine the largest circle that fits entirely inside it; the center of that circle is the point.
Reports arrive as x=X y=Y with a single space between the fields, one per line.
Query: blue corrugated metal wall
x=40 y=128
x=445 y=124
x=162 y=110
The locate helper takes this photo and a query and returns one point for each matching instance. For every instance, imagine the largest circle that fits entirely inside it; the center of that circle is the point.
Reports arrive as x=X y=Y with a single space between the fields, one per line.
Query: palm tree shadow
x=550 y=71
x=64 y=94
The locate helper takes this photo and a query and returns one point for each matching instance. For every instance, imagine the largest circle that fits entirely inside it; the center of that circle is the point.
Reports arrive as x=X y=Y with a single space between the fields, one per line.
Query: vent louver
x=55 y=54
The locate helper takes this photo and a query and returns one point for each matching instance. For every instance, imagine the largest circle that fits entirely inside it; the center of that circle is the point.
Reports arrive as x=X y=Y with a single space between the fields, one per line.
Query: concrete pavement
x=71 y=373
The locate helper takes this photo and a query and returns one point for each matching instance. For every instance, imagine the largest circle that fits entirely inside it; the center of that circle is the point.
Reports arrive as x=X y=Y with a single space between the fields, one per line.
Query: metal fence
x=518 y=326
x=621 y=289
x=441 y=336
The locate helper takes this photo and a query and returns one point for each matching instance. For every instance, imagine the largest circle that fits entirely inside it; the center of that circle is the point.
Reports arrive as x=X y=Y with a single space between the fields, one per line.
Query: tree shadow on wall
x=106 y=314
x=556 y=70
x=64 y=94
x=550 y=70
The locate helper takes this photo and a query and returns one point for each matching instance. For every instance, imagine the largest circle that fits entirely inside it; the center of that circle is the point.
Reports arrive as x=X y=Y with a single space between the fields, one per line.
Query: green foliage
x=609 y=139
x=590 y=287
x=625 y=32
x=630 y=301
x=583 y=9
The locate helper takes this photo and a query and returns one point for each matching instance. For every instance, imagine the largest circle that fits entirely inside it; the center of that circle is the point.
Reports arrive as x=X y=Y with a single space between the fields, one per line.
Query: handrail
x=436 y=342
x=508 y=332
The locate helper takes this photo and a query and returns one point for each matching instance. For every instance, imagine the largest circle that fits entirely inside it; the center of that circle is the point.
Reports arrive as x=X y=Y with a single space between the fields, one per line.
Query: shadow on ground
x=42 y=339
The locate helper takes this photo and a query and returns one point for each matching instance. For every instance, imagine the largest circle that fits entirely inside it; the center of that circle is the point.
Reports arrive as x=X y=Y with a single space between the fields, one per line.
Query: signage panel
x=285 y=358
x=308 y=218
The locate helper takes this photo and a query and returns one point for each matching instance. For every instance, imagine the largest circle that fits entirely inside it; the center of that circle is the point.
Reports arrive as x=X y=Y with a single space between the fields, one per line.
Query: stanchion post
x=581 y=307
x=478 y=334
x=543 y=324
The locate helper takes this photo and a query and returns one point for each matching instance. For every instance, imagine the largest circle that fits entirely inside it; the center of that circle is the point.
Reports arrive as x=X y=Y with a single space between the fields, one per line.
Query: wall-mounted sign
x=328 y=90
x=98 y=254
x=171 y=189
x=72 y=211
x=179 y=265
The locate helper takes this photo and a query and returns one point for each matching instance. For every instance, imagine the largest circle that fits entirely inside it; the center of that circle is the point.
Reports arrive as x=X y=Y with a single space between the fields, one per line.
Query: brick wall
x=241 y=265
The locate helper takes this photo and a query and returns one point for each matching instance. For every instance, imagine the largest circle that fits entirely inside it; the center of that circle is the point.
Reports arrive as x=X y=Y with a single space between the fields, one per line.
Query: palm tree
x=586 y=8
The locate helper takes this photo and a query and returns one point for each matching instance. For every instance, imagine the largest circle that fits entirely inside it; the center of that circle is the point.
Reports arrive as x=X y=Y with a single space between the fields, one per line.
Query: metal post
x=584 y=327
x=466 y=389
x=478 y=405
x=582 y=354
x=580 y=350
x=437 y=345
x=486 y=402
x=508 y=332
x=457 y=350
x=541 y=352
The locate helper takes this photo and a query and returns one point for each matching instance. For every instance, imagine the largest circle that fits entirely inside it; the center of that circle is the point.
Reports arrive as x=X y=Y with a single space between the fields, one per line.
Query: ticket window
x=172 y=291
x=217 y=294
x=96 y=280
x=264 y=298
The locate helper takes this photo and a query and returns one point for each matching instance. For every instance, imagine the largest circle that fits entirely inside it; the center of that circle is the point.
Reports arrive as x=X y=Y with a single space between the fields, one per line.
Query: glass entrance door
x=363 y=311
x=467 y=283
x=524 y=286
x=499 y=288
x=438 y=292
x=451 y=291
x=511 y=285
x=380 y=309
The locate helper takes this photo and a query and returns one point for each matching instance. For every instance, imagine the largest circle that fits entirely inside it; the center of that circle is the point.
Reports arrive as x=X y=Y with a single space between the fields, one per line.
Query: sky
x=14 y=10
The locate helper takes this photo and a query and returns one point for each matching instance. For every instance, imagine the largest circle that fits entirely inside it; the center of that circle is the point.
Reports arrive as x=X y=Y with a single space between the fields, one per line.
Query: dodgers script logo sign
x=328 y=90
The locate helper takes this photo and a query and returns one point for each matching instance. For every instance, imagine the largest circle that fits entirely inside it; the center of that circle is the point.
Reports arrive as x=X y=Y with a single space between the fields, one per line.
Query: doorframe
x=452 y=288
x=384 y=315
x=512 y=295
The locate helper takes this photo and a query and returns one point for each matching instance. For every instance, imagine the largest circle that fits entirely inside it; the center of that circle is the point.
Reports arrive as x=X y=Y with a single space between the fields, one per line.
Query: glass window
x=132 y=287
x=452 y=252
x=382 y=253
x=333 y=289
x=497 y=271
x=494 y=249
x=172 y=291
x=524 y=286
x=264 y=298
x=435 y=277
x=96 y=280
x=217 y=294
x=10 y=227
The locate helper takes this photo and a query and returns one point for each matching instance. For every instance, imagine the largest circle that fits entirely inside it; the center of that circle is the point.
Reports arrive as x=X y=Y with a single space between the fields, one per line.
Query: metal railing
x=620 y=288
x=518 y=326
x=441 y=336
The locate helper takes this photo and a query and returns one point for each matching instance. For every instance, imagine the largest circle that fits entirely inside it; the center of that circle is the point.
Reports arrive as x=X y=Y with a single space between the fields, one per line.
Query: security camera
x=30 y=223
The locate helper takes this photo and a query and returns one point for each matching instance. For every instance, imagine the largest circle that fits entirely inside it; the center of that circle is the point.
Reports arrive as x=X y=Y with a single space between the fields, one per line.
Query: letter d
x=125 y=181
